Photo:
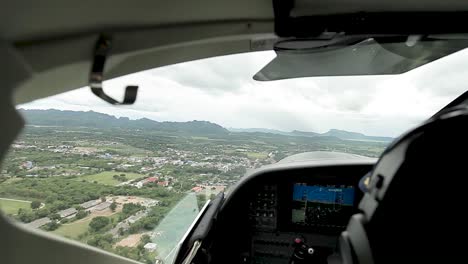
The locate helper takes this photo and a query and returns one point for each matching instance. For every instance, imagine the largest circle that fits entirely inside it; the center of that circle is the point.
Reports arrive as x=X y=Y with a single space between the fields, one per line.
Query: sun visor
x=369 y=56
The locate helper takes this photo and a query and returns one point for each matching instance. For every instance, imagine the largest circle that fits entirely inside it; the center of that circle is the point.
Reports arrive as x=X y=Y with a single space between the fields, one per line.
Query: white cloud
x=222 y=90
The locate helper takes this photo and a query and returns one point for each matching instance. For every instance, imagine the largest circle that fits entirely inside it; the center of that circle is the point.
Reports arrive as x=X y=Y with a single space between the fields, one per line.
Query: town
x=132 y=191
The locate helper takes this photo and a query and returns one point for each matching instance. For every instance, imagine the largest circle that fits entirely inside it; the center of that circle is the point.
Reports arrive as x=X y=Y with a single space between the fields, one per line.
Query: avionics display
x=318 y=205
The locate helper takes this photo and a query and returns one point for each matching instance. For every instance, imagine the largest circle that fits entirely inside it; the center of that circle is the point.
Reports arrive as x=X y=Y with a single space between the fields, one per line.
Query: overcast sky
x=222 y=90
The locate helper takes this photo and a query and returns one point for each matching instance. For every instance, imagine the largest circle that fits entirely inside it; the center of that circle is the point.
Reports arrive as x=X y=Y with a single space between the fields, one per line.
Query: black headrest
x=418 y=193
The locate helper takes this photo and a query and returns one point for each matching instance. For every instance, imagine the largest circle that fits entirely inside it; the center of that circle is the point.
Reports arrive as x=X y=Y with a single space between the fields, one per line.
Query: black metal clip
x=96 y=77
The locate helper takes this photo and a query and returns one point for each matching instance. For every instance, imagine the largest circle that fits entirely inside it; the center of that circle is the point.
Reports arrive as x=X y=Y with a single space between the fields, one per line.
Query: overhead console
x=289 y=212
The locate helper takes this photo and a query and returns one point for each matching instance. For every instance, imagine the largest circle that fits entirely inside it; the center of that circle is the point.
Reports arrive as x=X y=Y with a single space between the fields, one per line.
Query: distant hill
x=93 y=119
x=260 y=130
x=304 y=133
x=99 y=120
x=354 y=136
x=335 y=133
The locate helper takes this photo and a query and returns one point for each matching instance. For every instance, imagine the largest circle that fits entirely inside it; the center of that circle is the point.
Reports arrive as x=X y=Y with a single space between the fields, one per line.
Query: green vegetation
x=107 y=177
x=79 y=157
x=256 y=155
x=81 y=214
x=51 y=226
x=129 y=209
x=35 y=204
x=113 y=206
x=12 y=207
x=98 y=223
x=60 y=194
x=73 y=230
x=126 y=150
x=201 y=200
x=137 y=253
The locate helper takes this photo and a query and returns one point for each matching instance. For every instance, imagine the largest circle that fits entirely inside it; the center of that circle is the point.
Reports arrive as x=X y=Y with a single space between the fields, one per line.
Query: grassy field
x=128 y=150
x=73 y=230
x=106 y=177
x=256 y=155
x=11 y=180
x=200 y=138
x=11 y=207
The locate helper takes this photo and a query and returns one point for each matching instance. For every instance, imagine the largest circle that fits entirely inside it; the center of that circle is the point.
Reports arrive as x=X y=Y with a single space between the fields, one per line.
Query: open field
x=73 y=230
x=78 y=227
x=128 y=150
x=10 y=206
x=106 y=177
x=130 y=241
x=256 y=155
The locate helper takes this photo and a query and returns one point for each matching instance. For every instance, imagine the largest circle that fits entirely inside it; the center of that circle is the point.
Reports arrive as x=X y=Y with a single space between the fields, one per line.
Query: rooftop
x=39 y=222
x=91 y=203
x=67 y=212
x=102 y=206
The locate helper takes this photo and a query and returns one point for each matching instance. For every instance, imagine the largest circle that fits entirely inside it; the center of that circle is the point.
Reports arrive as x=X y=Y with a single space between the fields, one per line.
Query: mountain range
x=92 y=119
x=341 y=134
x=53 y=117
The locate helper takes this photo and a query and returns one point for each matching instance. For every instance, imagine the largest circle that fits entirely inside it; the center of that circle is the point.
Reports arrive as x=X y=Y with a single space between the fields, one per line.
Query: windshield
x=131 y=179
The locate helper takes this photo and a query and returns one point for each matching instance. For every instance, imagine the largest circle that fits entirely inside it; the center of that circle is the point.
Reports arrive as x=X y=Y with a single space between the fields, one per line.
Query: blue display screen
x=318 y=205
x=324 y=194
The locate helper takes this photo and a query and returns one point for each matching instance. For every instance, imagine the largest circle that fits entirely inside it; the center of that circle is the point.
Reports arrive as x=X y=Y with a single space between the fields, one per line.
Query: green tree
x=81 y=214
x=98 y=223
x=54 y=216
x=51 y=226
x=25 y=216
x=145 y=239
x=35 y=204
x=101 y=241
x=113 y=206
x=201 y=200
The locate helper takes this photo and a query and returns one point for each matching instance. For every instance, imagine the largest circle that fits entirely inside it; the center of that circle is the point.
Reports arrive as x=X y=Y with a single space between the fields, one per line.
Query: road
x=15 y=200
x=22 y=201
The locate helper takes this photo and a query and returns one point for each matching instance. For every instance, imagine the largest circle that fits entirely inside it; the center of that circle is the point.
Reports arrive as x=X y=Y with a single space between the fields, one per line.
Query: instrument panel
x=287 y=212
x=322 y=206
x=308 y=211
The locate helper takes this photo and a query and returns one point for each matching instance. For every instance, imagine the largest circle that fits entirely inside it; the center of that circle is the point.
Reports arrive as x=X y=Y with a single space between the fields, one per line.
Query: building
x=90 y=204
x=132 y=219
x=150 y=247
x=214 y=188
x=197 y=189
x=27 y=165
x=124 y=226
x=102 y=206
x=67 y=212
x=39 y=222
x=151 y=180
x=163 y=183
x=149 y=202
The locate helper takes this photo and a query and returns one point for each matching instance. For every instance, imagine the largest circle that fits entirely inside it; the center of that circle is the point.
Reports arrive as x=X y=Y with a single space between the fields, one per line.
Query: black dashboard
x=287 y=211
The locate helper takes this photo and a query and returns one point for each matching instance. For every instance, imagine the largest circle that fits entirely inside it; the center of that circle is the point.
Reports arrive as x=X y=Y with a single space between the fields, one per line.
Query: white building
x=39 y=222
x=91 y=203
x=150 y=247
x=67 y=212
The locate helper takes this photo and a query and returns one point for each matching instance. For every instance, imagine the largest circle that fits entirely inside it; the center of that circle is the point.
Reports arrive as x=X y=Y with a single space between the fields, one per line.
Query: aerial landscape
x=133 y=187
